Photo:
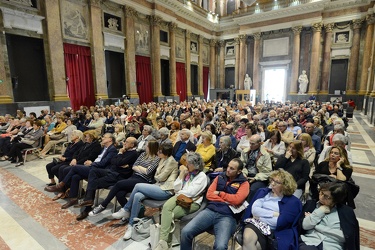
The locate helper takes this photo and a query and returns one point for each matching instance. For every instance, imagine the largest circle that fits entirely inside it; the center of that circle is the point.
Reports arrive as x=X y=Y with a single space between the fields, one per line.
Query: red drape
x=181 y=81
x=78 y=71
x=144 y=78
x=206 y=71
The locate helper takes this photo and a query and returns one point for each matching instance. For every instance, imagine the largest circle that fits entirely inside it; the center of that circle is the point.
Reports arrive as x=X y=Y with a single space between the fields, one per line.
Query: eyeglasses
x=272 y=181
x=324 y=196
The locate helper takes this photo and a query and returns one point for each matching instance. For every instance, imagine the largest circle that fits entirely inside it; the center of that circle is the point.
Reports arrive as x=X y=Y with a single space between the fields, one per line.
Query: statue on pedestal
x=303 y=81
x=247 y=83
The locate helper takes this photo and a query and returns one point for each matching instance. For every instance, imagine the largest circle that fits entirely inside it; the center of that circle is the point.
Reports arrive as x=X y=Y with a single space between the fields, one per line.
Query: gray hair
x=339 y=126
x=196 y=160
x=164 y=131
x=340 y=137
x=227 y=141
x=78 y=133
x=148 y=128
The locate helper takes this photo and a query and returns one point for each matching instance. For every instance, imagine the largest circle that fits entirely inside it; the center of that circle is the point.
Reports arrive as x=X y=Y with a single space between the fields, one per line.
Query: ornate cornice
x=329 y=27
x=297 y=30
x=317 y=27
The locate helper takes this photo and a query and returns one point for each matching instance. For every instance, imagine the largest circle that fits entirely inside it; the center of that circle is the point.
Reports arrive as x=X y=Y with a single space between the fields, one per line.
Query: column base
x=325 y=92
x=362 y=92
x=351 y=92
x=6 y=99
x=293 y=93
x=103 y=96
x=133 y=95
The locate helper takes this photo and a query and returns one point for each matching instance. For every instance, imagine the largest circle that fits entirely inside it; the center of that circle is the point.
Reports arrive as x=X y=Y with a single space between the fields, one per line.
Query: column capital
x=357 y=23
x=172 y=26
x=213 y=42
x=257 y=35
x=317 y=27
x=370 y=19
x=200 y=38
x=95 y=3
x=329 y=27
x=221 y=43
x=237 y=40
x=155 y=20
x=242 y=38
x=187 y=33
x=130 y=12
x=297 y=30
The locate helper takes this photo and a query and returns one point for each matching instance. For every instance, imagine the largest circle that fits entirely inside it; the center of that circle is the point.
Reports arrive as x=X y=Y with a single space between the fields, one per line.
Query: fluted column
x=354 y=56
x=188 y=64
x=155 y=22
x=221 y=64
x=295 y=61
x=130 y=65
x=237 y=63
x=172 y=58
x=97 y=45
x=213 y=82
x=6 y=93
x=314 y=63
x=326 y=57
x=200 y=66
x=256 y=62
x=242 y=64
x=370 y=19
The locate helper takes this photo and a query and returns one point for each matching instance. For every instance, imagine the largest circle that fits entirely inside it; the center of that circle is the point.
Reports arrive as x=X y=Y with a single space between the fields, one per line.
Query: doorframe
x=284 y=64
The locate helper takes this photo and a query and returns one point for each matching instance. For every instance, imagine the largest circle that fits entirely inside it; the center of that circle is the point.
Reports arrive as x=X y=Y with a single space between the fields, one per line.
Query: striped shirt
x=151 y=163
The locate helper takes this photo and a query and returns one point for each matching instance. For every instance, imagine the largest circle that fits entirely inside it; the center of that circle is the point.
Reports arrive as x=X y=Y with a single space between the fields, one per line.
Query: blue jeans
x=143 y=191
x=224 y=227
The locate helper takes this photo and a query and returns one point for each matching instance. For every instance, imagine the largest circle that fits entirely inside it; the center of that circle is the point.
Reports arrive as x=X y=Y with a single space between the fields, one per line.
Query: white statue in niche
x=193 y=47
x=303 y=81
x=247 y=83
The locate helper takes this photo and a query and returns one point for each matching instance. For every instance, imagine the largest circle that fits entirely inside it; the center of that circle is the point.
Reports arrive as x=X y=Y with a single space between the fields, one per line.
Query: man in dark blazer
x=183 y=144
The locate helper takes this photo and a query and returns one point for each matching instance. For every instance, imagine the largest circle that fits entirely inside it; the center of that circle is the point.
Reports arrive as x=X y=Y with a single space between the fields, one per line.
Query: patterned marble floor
x=31 y=220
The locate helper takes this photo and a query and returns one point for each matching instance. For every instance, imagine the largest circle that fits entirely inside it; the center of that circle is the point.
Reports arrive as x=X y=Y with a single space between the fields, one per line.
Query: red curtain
x=78 y=71
x=144 y=78
x=206 y=71
x=181 y=81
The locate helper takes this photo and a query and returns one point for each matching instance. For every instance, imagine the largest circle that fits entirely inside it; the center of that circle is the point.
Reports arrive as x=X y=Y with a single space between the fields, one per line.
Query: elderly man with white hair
x=183 y=144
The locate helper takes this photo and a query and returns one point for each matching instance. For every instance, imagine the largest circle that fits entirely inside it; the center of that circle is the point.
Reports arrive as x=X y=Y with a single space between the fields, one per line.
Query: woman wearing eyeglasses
x=328 y=223
x=272 y=216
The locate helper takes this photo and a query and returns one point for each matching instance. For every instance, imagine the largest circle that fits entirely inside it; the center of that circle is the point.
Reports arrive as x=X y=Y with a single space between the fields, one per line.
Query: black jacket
x=89 y=151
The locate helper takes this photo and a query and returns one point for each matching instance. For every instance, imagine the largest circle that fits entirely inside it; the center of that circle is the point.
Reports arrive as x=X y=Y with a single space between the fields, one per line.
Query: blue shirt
x=180 y=151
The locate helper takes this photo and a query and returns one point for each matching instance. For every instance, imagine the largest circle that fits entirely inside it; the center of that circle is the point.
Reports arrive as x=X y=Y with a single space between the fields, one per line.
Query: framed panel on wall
x=142 y=38
x=75 y=21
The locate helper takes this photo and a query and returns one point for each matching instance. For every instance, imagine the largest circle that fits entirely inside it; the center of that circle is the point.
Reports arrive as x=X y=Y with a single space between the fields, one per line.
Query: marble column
x=55 y=51
x=155 y=22
x=295 y=60
x=366 y=60
x=188 y=63
x=237 y=63
x=213 y=82
x=172 y=58
x=97 y=50
x=242 y=63
x=6 y=93
x=200 y=66
x=372 y=68
x=354 y=57
x=130 y=65
x=314 y=62
x=256 y=84
x=326 y=57
x=222 y=64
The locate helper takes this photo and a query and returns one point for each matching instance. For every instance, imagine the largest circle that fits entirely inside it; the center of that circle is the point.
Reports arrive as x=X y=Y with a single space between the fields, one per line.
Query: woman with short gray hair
x=164 y=136
x=191 y=182
x=145 y=137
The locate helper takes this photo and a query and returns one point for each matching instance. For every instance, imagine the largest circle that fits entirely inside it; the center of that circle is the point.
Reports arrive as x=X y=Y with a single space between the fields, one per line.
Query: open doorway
x=274 y=82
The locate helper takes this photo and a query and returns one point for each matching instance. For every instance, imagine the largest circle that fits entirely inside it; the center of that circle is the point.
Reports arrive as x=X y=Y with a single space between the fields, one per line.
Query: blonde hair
x=306 y=137
x=288 y=182
x=207 y=134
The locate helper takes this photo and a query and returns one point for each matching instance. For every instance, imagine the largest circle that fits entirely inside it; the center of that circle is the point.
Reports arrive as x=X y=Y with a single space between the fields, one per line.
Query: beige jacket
x=263 y=164
x=166 y=173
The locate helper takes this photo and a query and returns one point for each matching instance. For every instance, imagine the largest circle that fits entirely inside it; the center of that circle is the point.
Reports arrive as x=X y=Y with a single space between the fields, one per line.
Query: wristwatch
x=339 y=168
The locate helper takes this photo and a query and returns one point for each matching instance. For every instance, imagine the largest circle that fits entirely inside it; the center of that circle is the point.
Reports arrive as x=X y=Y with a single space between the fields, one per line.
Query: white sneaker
x=128 y=233
x=162 y=245
x=121 y=214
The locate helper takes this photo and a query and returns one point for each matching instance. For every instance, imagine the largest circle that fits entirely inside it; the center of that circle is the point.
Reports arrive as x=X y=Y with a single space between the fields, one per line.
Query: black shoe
x=51 y=184
x=13 y=161
x=82 y=215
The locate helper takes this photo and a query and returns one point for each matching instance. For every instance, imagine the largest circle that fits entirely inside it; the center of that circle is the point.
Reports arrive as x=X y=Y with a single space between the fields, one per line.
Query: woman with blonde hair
x=308 y=148
x=175 y=129
x=206 y=149
x=119 y=133
x=295 y=163
x=273 y=214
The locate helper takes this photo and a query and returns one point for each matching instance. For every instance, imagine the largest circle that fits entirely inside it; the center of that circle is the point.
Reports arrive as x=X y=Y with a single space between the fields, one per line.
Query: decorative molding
x=257 y=35
x=155 y=20
x=172 y=26
x=370 y=19
x=237 y=40
x=18 y=19
x=213 y=42
x=272 y=63
x=329 y=27
x=188 y=34
x=221 y=43
x=96 y=3
x=242 y=38
x=276 y=47
x=130 y=12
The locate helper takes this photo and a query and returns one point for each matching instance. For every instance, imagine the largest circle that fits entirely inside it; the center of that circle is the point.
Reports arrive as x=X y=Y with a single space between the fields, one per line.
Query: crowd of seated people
x=265 y=155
